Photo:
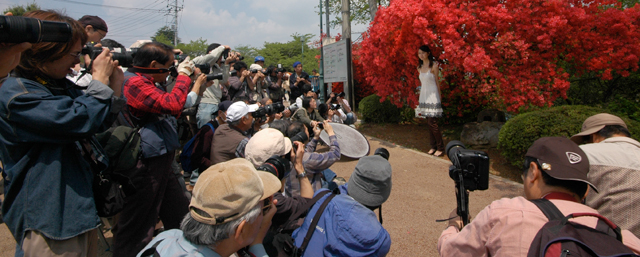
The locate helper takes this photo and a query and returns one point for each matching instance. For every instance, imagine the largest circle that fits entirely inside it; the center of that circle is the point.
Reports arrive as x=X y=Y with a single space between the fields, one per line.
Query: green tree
x=360 y=11
x=291 y=52
x=165 y=33
x=249 y=53
x=194 y=48
x=19 y=10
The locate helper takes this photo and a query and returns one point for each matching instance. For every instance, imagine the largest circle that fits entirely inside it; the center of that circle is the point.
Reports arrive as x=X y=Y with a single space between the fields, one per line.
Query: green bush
x=373 y=111
x=407 y=114
x=519 y=133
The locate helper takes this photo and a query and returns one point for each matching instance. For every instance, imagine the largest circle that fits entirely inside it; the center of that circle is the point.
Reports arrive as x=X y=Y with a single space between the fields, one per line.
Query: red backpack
x=561 y=237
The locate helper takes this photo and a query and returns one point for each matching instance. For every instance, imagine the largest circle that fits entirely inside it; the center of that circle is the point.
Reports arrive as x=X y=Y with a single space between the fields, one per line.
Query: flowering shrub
x=508 y=54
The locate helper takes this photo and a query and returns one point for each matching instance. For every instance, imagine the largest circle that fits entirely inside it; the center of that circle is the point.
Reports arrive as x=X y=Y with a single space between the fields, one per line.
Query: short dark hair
x=323 y=109
x=238 y=66
x=212 y=46
x=241 y=98
x=577 y=187
x=111 y=43
x=305 y=89
x=294 y=128
x=306 y=102
x=152 y=51
x=281 y=125
x=612 y=130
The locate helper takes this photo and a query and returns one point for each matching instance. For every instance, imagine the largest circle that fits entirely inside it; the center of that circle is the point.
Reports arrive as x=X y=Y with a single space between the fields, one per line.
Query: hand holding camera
x=328 y=128
x=187 y=67
x=102 y=66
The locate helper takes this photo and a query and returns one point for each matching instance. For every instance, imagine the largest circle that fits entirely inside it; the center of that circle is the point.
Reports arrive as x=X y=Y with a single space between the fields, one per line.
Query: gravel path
x=422 y=192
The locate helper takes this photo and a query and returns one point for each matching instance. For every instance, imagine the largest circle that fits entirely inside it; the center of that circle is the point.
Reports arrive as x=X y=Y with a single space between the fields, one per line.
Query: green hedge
x=519 y=133
x=373 y=111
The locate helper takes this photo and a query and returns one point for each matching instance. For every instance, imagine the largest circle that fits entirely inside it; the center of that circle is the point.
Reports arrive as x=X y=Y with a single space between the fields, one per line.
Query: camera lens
x=21 y=29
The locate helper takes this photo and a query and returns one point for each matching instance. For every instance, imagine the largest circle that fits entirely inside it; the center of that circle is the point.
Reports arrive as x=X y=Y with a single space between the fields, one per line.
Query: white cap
x=255 y=66
x=139 y=43
x=238 y=110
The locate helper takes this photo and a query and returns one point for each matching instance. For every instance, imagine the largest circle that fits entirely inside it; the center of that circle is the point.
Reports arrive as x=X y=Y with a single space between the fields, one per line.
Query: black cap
x=224 y=105
x=561 y=158
x=95 y=21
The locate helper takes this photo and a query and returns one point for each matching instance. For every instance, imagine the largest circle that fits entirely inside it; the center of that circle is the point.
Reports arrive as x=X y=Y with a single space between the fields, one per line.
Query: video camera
x=124 y=57
x=268 y=110
x=16 y=29
x=470 y=171
x=218 y=76
x=277 y=166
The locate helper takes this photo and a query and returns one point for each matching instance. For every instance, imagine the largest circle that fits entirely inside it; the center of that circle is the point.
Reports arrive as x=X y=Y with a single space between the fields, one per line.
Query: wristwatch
x=301 y=175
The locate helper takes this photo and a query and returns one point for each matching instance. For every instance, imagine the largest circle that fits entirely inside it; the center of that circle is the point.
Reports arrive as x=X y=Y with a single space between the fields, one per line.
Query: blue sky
x=229 y=22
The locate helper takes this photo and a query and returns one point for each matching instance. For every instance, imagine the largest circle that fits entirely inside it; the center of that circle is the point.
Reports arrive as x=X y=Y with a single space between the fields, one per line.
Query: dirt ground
x=422 y=192
x=415 y=136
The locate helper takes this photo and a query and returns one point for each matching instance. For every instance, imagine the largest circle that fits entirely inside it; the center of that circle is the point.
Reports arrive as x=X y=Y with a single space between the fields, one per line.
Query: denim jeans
x=350 y=119
x=205 y=113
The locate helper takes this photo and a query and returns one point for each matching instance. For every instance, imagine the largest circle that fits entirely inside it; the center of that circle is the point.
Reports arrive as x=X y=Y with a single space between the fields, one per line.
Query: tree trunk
x=373 y=8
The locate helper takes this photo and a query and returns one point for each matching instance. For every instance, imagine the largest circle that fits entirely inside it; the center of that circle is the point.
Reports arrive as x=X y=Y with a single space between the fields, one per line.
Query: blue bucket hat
x=258 y=59
x=296 y=64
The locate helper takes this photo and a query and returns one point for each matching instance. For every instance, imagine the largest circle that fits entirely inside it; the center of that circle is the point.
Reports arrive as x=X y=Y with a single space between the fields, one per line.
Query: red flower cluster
x=510 y=54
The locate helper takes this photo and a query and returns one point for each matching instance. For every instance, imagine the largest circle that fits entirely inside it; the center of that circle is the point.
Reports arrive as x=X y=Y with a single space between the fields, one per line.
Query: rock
x=481 y=135
x=493 y=115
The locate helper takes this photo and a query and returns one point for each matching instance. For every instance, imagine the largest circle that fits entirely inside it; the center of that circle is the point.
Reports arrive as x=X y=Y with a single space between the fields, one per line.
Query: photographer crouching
x=150 y=106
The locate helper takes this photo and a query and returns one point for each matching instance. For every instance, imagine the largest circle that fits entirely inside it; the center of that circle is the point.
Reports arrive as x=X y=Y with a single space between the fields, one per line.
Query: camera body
x=17 y=29
x=204 y=68
x=473 y=165
x=268 y=110
x=334 y=106
x=225 y=55
x=261 y=71
x=124 y=57
x=280 y=68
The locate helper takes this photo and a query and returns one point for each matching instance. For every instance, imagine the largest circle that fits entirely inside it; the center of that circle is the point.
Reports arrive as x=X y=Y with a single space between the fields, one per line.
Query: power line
x=111 y=6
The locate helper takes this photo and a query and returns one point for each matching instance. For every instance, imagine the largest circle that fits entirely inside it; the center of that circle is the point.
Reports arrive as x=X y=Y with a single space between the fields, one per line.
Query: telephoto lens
x=16 y=29
x=382 y=152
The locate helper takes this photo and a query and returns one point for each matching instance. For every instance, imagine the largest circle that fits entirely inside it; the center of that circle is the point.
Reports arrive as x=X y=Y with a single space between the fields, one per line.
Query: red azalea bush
x=507 y=54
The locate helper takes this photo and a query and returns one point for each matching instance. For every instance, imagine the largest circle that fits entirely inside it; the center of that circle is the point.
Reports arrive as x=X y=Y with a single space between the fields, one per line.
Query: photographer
x=240 y=85
x=316 y=165
x=213 y=95
x=555 y=169
x=332 y=113
x=258 y=78
x=308 y=113
x=297 y=80
x=274 y=84
x=344 y=105
x=48 y=148
x=159 y=194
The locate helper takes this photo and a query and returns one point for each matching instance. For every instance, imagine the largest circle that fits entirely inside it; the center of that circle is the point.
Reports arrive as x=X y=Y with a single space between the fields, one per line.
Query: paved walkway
x=422 y=192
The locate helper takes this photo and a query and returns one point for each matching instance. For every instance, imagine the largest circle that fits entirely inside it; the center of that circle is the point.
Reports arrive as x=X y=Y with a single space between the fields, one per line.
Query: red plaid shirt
x=144 y=97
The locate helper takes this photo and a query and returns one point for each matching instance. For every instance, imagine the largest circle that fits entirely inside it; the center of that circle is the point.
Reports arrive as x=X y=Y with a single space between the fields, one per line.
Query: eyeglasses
x=101 y=35
x=76 y=55
x=266 y=205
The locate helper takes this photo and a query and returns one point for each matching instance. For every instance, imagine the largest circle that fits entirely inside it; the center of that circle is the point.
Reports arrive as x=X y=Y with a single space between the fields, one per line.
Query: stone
x=493 y=115
x=481 y=134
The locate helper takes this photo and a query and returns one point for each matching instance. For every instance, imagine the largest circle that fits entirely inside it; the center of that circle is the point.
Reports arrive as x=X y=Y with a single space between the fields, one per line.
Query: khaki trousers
x=36 y=244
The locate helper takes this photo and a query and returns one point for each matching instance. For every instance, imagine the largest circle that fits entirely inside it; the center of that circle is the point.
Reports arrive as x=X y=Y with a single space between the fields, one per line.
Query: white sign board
x=335 y=62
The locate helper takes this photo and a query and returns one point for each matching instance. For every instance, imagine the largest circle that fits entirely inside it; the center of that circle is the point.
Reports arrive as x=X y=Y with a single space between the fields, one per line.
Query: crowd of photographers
x=251 y=161
x=257 y=186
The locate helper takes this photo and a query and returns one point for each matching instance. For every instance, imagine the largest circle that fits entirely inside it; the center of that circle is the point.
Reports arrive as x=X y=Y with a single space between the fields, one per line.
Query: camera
x=218 y=76
x=16 y=29
x=334 y=106
x=382 y=152
x=204 y=68
x=280 y=69
x=261 y=71
x=277 y=166
x=320 y=125
x=470 y=171
x=225 y=55
x=268 y=110
x=124 y=57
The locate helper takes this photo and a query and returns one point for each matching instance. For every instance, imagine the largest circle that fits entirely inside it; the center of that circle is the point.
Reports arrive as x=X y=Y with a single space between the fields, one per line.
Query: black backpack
x=561 y=237
x=282 y=243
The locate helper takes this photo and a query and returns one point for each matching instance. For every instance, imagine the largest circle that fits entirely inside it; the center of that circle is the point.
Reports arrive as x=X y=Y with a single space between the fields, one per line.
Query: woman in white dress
x=430 y=104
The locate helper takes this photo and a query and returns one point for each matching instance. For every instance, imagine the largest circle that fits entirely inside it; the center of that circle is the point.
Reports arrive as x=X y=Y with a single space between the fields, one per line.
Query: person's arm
x=306 y=190
x=316 y=162
x=143 y=95
x=345 y=105
x=435 y=70
x=241 y=146
x=343 y=116
x=301 y=115
x=470 y=241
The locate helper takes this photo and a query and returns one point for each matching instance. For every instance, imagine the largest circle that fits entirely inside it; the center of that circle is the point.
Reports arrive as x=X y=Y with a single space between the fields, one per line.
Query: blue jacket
x=346 y=228
x=40 y=128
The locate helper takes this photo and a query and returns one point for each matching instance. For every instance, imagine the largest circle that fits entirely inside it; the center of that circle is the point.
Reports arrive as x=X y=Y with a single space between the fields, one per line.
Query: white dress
x=430 y=105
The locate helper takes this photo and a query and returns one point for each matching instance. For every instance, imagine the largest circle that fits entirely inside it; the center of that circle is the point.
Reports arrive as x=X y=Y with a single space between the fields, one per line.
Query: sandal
x=430 y=152
x=438 y=154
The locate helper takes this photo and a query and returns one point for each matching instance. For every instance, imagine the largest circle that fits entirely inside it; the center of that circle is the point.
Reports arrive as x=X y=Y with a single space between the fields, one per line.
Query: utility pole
x=175 y=9
x=327 y=13
x=323 y=88
x=346 y=33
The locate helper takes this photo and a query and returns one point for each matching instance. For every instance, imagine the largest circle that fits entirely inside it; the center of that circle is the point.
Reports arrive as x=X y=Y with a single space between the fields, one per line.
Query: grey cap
x=370 y=182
